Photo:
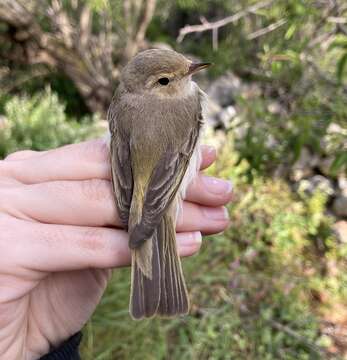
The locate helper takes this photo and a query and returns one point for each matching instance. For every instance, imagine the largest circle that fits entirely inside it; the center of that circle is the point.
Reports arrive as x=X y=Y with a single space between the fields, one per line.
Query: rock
x=340 y=229
x=210 y=111
x=334 y=128
x=216 y=116
x=342 y=184
x=271 y=142
x=224 y=117
x=317 y=182
x=274 y=107
x=223 y=89
x=240 y=128
x=325 y=164
x=334 y=132
x=340 y=206
x=303 y=167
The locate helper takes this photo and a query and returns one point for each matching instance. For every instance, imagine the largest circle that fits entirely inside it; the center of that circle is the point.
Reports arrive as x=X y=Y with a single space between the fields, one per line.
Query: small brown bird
x=155 y=121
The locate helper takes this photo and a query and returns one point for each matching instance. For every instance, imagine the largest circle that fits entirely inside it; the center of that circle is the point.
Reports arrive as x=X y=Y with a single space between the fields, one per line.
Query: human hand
x=60 y=235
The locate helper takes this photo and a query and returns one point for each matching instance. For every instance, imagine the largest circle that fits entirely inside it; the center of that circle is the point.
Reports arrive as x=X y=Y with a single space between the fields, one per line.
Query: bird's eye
x=163 y=81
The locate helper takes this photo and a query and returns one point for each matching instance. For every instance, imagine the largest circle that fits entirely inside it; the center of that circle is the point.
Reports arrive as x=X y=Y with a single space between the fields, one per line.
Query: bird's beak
x=195 y=67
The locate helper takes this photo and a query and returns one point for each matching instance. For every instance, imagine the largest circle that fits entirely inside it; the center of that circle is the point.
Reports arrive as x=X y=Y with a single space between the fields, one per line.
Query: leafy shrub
x=40 y=123
x=290 y=66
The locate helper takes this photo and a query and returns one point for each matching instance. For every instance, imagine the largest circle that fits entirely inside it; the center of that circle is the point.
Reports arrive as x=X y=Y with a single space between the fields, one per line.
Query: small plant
x=40 y=123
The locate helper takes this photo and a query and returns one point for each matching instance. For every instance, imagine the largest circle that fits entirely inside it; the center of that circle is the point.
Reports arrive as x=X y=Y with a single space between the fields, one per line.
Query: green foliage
x=340 y=43
x=40 y=123
x=64 y=88
x=279 y=64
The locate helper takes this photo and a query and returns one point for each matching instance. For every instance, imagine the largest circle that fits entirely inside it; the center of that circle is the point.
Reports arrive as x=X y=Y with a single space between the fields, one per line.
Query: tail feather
x=164 y=293
x=173 y=296
x=145 y=292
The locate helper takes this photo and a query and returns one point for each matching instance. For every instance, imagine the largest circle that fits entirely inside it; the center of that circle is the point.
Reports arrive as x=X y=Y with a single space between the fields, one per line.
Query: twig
x=267 y=29
x=144 y=20
x=337 y=20
x=215 y=39
x=206 y=25
x=278 y=326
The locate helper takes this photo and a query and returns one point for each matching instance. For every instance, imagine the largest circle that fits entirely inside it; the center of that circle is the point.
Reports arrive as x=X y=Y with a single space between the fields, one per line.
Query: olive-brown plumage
x=155 y=121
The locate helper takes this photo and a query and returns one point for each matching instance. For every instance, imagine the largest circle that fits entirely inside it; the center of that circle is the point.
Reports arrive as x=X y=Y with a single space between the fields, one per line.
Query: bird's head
x=159 y=72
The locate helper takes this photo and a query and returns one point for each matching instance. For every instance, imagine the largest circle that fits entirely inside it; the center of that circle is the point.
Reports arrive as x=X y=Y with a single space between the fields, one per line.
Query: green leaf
x=339 y=42
x=339 y=162
x=290 y=32
x=341 y=66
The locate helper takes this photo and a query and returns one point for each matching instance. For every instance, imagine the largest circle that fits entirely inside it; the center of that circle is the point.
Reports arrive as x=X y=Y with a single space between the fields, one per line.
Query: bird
x=155 y=122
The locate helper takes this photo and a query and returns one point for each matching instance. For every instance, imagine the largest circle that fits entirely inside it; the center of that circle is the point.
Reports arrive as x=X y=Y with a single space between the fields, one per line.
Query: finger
x=209 y=191
x=48 y=248
x=91 y=203
x=22 y=155
x=207 y=220
x=81 y=203
x=86 y=160
x=208 y=156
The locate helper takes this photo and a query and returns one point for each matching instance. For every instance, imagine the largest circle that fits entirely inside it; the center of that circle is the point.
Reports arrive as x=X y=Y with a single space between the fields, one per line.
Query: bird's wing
x=163 y=186
x=122 y=177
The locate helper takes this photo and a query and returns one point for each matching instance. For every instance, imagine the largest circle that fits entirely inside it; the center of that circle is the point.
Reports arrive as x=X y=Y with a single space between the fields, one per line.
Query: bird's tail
x=162 y=289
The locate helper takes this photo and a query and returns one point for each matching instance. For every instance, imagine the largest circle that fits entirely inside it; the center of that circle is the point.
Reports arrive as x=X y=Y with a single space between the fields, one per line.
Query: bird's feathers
x=149 y=163
x=122 y=178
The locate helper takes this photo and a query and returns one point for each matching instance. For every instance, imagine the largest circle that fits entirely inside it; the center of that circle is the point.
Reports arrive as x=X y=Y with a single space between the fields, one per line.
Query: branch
x=143 y=12
x=286 y=329
x=267 y=29
x=337 y=20
x=205 y=26
x=144 y=20
x=68 y=46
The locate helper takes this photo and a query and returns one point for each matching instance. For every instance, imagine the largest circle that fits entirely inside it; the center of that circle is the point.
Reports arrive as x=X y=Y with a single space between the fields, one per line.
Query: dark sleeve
x=67 y=351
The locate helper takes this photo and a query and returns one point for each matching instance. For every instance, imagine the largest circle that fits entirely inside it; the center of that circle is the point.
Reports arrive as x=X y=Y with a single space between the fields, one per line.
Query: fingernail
x=217 y=186
x=191 y=239
x=220 y=213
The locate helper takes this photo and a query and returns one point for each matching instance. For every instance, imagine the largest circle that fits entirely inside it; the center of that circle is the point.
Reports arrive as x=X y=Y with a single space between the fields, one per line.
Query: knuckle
x=95 y=189
x=61 y=188
x=93 y=239
x=95 y=150
x=65 y=187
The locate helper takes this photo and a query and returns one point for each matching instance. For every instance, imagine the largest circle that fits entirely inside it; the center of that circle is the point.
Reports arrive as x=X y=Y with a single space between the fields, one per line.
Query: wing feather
x=163 y=185
x=122 y=177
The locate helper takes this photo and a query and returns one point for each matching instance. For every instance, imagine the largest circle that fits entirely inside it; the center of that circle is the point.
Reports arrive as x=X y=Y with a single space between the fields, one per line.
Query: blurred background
x=274 y=285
